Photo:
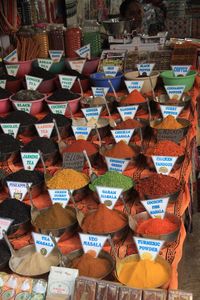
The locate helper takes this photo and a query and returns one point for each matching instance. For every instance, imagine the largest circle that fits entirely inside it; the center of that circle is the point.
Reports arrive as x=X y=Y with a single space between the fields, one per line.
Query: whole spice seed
x=156 y=226
x=27 y=95
x=80 y=145
x=63 y=95
x=43 y=144
x=4 y=93
x=61 y=120
x=112 y=179
x=128 y=124
x=16 y=210
x=8 y=143
x=169 y=123
x=4 y=252
x=19 y=116
x=133 y=98
x=120 y=150
x=22 y=175
x=166 y=148
x=41 y=73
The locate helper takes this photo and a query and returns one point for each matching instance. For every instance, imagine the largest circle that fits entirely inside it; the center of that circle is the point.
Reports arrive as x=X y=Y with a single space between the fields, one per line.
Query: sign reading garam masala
x=108 y=195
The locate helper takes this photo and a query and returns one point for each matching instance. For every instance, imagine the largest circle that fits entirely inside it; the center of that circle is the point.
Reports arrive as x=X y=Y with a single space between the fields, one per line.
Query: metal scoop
x=113 y=89
x=47 y=175
x=92 y=175
x=111 y=120
x=131 y=220
x=79 y=214
x=61 y=143
x=81 y=88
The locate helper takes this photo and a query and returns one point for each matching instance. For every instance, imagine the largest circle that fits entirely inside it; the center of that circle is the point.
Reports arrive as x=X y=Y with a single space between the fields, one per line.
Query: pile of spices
x=143 y=274
x=169 y=123
x=91 y=123
x=157 y=185
x=4 y=252
x=68 y=179
x=35 y=177
x=112 y=179
x=8 y=143
x=156 y=226
x=41 y=73
x=63 y=95
x=128 y=124
x=4 y=93
x=19 y=116
x=43 y=144
x=103 y=220
x=91 y=267
x=80 y=145
x=27 y=95
x=166 y=148
x=16 y=210
x=133 y=98
x=120 y=150
x=61 y=120
x=55 y=217
x=71 y=72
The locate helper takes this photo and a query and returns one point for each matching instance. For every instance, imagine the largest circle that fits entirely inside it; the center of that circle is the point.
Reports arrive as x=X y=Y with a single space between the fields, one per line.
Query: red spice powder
x=80 y=145
x=128 y=124
x=120 y=150
x=155 y=226
x=133 y=98
x=166 y=148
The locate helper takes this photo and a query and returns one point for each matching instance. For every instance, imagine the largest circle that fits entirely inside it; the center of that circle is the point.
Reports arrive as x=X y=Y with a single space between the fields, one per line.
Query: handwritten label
x=108 y=195
x=92 y=244
x=145 y=69
x=77 y=64
x=12 y=57
x=56 y=55
x=30 y=160
x=67 y=81
x=32 y=82
x=148 y=248
x=175 y=92
x=92 y=113
x=84 y=52
x=116 y=164
x=44 y=130
x=127 y=112
x=18 y=190
x=156 y=207
x=164 y=164
x=122 y=135
x=100 y=91
x=180 y=70
x=58 y=108
x=3 y=83
x=134 y=85
x=60 y=196
x=45 y=63
x=81 y=132
x=43 y=243
x=23 y=106
x=12 y=69
x=73 y=160
x=10 y=128
x=110 y=71
x=172 y=135
x=4 y=225
x=171 y=110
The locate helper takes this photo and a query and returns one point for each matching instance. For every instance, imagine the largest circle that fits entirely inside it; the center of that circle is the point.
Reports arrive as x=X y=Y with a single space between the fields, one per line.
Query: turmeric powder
x=169 y=123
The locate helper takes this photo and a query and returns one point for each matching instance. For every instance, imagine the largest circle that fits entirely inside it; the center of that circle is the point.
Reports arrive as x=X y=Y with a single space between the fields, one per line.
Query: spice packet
x=179 y=295
x=126 y=293
x=85 y=288
x=154 y=295
x=39 y=289
x=107 y=290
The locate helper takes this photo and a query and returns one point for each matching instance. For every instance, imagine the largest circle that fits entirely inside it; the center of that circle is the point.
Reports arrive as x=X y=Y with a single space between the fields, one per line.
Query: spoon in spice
x=98 y=135
x=92 y=175
x=113 y=89
x=61 y=143
x=111 y=120
x=12 y=251
x=131 y=220
x=34 y=211
x=81 y=88
x=47 y=175
x=113 y=248
x=79 y=215
x=61 y=263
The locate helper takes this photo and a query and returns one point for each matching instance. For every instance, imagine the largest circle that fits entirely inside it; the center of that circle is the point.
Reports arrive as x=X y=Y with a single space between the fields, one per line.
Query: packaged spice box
x=154 y=295
x=85 y=288
x=126 y=293
x=179 y=295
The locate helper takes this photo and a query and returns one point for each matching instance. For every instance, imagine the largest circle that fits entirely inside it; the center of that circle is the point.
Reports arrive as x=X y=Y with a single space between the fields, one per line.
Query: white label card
x=116 y=164
x=84 y=52
x=134 y=85
x=43 y=243
x=110 y=71
x=12 y=57
x=148 y=248
x=32 y=82
x=81 y=132
x=77 y=64
x=45 y=63
x=4 y=225
x=58 y=108
x=175 y=92
x=171 y=110
x=56 y=55
x=123 y=135
x=164 y=164
x=145 y=69
x=30 y=160
x=12 y=69
x=67 y=82
x=23 y=106
x=127 y=112
x=92 y=113
x=92 y=244
x=156 y=207
x=10 y=128
x=44 y=130
x=108 y=195
x=18 y=190
x=100 y=91
x=180 y=70
x=60 y=196
x=3 y=83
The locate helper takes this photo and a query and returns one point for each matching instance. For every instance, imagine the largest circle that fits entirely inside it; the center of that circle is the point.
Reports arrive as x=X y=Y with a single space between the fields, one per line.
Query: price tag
x=110 y=71
x=4 y=225
x=164 y=164
x=12 y=69
x=56 y=55
x=127 y=112
x=3 y=83
x=145 y=69
x=18 y=190
x=77 y=64
x=91 y=113
x=108 y=195
x=67 y=81
x=134 y=85
x=180 y=70
x=43 y=243
x=32 y=82
x=81 y=132
x=30 y=160
x=10 y=128
x=156 y=207
x=116 y=164
x=58 y=108
x=170 y=110
x=12 y=57
x=148 y=248
x=100 y=91
x=23 y=106
x=45 y=63
x=172 y=135
x=73 y=160
x=44 y=130
x=92 y=244
x=84 y=52
x=175 y=92
x=123 y=135
x=60 y=196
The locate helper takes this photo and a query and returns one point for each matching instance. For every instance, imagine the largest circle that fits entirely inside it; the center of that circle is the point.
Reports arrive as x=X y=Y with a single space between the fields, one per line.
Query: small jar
x=41 y=36
x=73 y=39
x=56 y=37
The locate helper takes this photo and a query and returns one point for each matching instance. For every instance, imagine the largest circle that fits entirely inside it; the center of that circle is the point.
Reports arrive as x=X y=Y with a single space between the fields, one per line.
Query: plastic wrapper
x=179 y=295
x=126 y=293
x=154 y=295
x=85 y=288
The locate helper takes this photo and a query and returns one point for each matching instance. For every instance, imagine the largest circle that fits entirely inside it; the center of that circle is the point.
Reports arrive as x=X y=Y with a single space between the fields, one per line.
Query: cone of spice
x=8 y=144
x=4 y=94
x=19 y=116
x=134 y=97
x=80 y=145
x=120 y=150
x=166 y=148
x=42 y=73
x=63 y=95
x=128 y=124
x=35 y=177
x=169 y=123
x=43 y=144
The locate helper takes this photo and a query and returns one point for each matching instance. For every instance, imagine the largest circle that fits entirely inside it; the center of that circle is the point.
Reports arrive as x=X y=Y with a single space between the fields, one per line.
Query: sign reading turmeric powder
x=148 y=248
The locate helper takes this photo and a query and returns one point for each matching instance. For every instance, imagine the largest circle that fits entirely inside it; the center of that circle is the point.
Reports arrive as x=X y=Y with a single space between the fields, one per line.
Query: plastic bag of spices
x=154 y=295
x=107 y=290
x=85 y=288
x=126 y=293
x=179 y=295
